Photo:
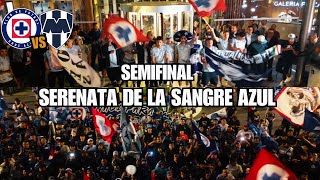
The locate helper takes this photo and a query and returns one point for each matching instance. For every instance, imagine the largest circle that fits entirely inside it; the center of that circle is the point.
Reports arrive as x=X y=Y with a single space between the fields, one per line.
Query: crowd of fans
x=33 y=146
x=37 y=68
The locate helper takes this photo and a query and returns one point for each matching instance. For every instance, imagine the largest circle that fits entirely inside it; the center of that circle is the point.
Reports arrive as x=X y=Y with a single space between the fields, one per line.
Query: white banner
x=79 y=69
x=256 y=59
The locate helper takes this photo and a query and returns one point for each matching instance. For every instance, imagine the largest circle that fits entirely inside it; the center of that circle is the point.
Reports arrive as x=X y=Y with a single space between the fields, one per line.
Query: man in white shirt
x=239 y=43
x=72 y=48
x=75 y=50
x=209 y=74
x=54 y=69
x=170 y=49
x=159 y=55
x=6 y=74
x=111 y=58
x=183 y=50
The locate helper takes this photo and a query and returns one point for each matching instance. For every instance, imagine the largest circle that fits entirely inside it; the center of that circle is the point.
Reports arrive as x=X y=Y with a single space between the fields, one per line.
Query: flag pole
x=121 y=125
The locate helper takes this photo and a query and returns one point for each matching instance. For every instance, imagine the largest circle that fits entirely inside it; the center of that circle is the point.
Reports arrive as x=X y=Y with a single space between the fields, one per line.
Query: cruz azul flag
x=122 y=32
x=266 y=166
x=299 y=105
x=77 y=113
x=206 y=7
x=79 y=69
x=102 y=125
x=293 y=101
x=230 y=71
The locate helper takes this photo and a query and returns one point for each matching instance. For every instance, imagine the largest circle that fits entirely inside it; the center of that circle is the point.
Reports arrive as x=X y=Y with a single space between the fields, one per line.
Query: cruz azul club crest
x=57 y=25
x=18 y=26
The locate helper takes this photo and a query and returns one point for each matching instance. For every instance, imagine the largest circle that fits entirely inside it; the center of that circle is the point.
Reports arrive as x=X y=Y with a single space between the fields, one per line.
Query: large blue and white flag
x=202 y=139
x=292 y=103
x=246 y=59
x=231 y=72
x=211 y=145
x=311 y=121
x=265 y=139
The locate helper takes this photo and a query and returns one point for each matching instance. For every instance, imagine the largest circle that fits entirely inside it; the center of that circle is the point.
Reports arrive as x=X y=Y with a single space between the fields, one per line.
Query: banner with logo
x=79 y=69
x=246 y=59
x=293 y=101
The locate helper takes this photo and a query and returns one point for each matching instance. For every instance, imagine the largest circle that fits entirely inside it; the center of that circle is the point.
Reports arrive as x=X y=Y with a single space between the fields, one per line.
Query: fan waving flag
x=230 y=71
x=206 y=7
x=199 y=136
x=293 y=101
x=122 y=32
x=267 y=166
x=102 y=125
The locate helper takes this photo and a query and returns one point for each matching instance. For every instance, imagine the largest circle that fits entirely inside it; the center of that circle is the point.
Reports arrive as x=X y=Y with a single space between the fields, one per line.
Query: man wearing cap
x=290 y=52
x=90 y=147
x=245 y=134
x=149 y=135
x=257 y=47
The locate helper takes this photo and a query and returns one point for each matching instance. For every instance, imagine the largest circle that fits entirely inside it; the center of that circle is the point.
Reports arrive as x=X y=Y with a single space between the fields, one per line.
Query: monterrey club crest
x=57 y=25
x=18 y=26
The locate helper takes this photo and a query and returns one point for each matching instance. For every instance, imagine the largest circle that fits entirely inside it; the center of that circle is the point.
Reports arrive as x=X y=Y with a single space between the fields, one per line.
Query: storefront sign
x=291 y=4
